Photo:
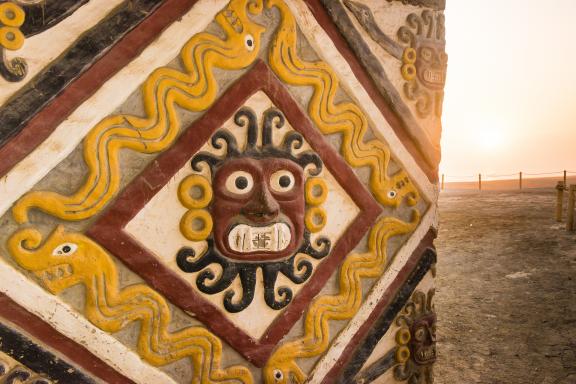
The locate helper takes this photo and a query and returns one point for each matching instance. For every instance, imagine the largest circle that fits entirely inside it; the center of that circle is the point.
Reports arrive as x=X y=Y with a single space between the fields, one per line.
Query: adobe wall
x=206 y=191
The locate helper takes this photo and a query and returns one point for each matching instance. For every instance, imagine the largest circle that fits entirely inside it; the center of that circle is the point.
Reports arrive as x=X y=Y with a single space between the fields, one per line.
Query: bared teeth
x=57 y=272
x=426 y=354
x=436 y=77
x=48 y=276
x=246 y=238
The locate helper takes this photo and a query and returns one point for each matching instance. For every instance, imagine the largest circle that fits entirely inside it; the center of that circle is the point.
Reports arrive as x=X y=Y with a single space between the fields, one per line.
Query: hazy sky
x=510 y=102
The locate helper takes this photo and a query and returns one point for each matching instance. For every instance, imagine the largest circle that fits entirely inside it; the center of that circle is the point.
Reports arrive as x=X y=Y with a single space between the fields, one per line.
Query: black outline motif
x=38 y=366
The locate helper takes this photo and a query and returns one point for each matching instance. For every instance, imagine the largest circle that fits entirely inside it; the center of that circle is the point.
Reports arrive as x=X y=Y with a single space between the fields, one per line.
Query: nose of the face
x=262 y=208
x=432 y=334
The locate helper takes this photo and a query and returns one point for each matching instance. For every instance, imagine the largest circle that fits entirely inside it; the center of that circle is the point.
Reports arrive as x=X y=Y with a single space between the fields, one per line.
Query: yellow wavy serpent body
x=194 y=89
x=67 y=259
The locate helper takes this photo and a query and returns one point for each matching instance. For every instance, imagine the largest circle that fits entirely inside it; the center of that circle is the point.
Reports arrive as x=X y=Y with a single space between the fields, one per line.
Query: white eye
x=249 y=42
x=65 y=249
x=282 y=181
x=240 y=182
x=392 y=194
x=278 y=375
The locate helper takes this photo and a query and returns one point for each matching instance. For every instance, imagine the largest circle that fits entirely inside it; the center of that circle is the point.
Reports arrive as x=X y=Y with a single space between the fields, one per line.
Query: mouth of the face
x=245 y=238
x=425 y=355
x=433 y=77
x=54 y=273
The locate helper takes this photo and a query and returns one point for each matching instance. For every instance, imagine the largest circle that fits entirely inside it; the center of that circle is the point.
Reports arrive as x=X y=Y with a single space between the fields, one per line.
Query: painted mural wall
x=213 y=191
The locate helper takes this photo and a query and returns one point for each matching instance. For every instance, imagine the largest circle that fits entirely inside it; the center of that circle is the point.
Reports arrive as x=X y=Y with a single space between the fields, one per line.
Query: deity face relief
x=431 y=65
x=257 y=214
x=423 y=341
x=258 y=208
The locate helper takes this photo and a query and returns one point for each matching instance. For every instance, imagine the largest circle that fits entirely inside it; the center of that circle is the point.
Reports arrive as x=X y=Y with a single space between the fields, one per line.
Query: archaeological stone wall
x=215 y=191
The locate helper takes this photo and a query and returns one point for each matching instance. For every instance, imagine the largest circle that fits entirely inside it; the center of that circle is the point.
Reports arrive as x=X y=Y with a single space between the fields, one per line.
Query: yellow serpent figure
x=345 y=118
x=282 y=366
x=67 y=259
x=194 y=89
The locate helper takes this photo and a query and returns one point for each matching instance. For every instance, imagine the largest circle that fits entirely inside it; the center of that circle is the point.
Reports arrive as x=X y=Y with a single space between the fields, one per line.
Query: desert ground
x=506 y=289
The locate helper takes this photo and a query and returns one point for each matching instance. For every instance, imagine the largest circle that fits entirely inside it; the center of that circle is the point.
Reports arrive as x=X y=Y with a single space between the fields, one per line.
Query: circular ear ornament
x=315 y=219
x=196 y=225
x=316 y=191
x=11 y=15
x=195 y=193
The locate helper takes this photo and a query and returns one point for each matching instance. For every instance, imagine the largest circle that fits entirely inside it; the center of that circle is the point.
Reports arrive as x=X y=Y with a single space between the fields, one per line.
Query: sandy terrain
x=506 y=297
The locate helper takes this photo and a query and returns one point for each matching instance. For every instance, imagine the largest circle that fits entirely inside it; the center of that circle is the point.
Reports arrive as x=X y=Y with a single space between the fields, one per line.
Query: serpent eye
x=239 y=182
x=278 y=375
x=249 y=42
x=65 y=249
x=282 y=181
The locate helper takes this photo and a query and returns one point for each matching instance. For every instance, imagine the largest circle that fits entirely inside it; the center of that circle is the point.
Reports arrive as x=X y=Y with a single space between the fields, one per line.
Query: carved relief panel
x=402 y=46
x=230 y=203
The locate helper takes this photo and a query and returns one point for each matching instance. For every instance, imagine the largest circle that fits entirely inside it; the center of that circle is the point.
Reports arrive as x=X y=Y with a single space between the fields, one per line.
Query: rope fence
x=520 y=176
x=562 y=188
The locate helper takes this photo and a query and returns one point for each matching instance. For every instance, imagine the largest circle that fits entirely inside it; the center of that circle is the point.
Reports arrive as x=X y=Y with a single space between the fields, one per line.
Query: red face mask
x=258 y=208
x=423 y=341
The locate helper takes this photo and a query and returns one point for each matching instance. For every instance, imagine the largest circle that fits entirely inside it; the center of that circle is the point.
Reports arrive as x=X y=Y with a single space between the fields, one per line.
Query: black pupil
x=284 y=181
x=249 y=42
x=278 y=375
x=241 y=182
x=66 y=249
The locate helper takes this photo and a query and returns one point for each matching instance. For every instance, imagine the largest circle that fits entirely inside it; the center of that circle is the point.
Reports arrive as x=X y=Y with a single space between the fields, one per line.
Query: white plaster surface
x=40 y=50
x=156 y=227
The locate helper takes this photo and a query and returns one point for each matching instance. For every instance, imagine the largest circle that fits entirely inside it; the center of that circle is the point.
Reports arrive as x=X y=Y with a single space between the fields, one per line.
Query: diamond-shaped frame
x=108 y=229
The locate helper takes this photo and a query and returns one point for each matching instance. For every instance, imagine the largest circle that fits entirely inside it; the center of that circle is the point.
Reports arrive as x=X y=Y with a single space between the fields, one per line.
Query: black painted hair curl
x=272 y=118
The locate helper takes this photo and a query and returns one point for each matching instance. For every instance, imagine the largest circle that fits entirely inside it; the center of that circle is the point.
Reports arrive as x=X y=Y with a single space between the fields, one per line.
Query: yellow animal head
x=243 y=34
x=65 y=259
x=400 y=187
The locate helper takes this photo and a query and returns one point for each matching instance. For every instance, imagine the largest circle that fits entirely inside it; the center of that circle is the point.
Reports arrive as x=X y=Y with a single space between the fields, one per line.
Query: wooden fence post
x=565 y=185
x=571 y=203
x=520 y=180
x=442 y=181
x=479 y=181
x=559 y=200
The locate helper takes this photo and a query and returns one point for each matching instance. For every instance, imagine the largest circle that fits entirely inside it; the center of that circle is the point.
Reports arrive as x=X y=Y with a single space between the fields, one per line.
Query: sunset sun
x=492 y=137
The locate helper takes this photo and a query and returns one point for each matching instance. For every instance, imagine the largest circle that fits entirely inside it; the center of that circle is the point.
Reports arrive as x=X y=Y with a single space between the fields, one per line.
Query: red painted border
x=108 y=230
x=385 y=300
x=75 y=353
x=325 y=21
x=127 y=49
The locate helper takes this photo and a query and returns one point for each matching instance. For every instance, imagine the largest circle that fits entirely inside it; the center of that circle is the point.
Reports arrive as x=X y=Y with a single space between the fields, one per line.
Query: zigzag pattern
x=194 y=89
x=68 y=259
